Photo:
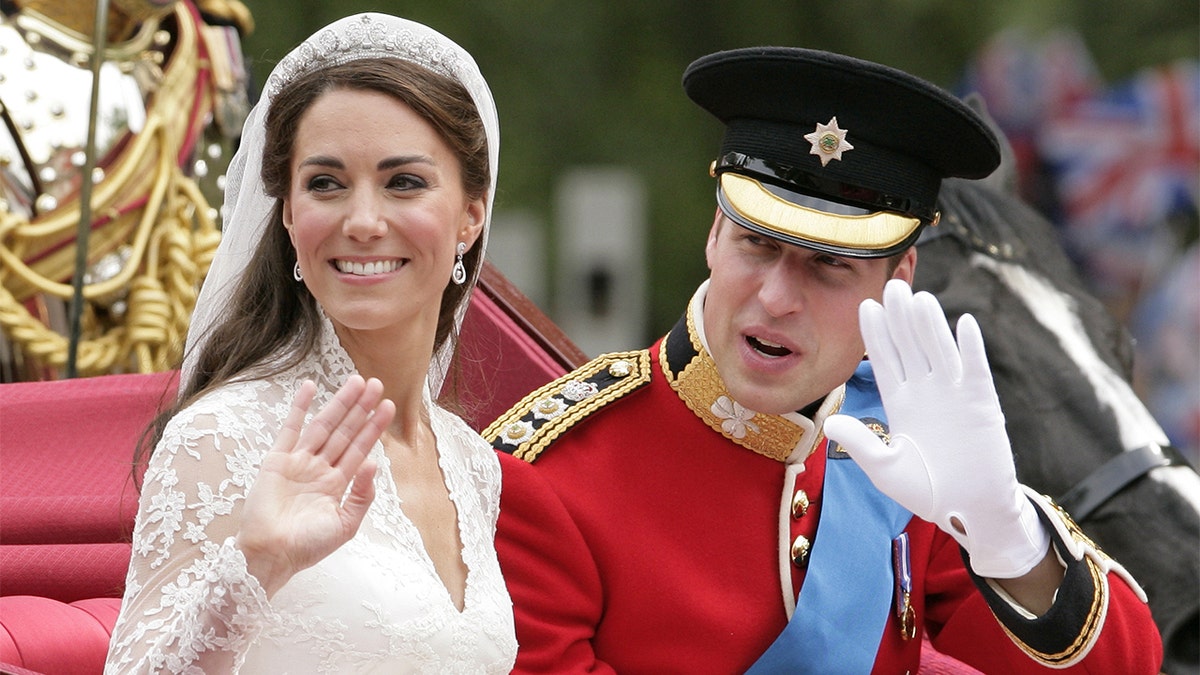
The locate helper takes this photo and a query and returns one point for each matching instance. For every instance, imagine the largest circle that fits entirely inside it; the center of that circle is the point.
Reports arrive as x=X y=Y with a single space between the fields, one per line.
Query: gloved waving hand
x=948 y=460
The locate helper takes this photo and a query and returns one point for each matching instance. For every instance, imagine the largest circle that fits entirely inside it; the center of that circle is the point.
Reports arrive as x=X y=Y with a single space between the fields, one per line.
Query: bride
x=307 y=506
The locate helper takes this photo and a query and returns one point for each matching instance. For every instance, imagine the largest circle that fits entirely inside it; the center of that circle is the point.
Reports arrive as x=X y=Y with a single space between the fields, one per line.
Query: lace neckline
x=387 y=515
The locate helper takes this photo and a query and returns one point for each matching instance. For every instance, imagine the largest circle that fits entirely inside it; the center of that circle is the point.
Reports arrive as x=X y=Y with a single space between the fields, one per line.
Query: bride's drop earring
x=296 y=272
x=459 y=275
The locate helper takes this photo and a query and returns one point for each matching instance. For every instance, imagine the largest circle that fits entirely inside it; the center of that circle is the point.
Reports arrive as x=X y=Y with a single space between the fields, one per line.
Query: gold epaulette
x=542 y=416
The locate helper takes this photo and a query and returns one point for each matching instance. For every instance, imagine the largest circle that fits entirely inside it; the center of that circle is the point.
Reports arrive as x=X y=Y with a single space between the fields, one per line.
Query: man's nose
x=780 y=292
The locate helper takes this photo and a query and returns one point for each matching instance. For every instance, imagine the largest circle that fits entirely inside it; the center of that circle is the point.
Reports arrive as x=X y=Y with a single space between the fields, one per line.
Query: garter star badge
x=828 y=141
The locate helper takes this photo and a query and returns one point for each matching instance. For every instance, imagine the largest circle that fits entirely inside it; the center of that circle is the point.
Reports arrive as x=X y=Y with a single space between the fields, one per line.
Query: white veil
x=247 y=208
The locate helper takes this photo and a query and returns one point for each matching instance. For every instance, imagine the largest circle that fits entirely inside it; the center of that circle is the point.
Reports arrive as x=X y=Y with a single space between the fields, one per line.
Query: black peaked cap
x=907 y=134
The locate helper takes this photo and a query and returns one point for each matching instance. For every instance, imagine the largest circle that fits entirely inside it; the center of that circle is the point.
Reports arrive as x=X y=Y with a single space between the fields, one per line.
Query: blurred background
x=604 y=199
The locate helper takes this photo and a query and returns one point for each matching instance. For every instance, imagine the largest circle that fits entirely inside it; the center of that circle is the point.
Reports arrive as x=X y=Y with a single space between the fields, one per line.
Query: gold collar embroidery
x=698 y=384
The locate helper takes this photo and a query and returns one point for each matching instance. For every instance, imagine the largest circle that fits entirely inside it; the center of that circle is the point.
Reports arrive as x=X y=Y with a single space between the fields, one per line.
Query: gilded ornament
x=800 y=547
x=880 y=431
x=517 y=433
x=620 y=369
x=549 y=408
x=144 y=197
x=578 y=390
x=550 y=405
x=828 y=142
x=799 y=504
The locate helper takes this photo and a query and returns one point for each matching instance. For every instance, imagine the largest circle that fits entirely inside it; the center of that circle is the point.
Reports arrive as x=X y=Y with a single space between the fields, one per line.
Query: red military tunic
x=639 y=533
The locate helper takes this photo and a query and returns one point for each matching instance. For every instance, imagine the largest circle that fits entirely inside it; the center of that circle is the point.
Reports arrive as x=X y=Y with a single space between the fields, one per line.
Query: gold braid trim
x=1087 y=635
x=174 y=237
x=614 y=375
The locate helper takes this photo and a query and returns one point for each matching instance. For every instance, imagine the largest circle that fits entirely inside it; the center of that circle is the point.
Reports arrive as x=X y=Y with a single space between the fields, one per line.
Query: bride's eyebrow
x=323 y=160
x=402 y=160
x=384 y=165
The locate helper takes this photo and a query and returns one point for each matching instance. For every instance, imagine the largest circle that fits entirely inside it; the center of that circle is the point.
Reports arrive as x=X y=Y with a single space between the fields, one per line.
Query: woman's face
x=375 y=210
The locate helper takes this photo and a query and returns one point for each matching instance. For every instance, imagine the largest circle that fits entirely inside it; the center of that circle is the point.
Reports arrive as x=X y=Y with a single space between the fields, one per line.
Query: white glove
x=949 y=459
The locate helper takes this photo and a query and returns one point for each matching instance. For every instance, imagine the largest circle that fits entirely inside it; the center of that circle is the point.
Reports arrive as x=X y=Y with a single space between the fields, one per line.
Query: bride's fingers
x=362 y=493
x=349 y=424
x=357 y=416
x=336 y=424
x=289 y=434
x=317 y=433
x=359 y=448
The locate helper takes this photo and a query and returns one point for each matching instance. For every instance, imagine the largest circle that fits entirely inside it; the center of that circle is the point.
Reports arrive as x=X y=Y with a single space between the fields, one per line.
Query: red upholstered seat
x=66 y=509
x=507 y=349
x=66 y=499
x=48 y=636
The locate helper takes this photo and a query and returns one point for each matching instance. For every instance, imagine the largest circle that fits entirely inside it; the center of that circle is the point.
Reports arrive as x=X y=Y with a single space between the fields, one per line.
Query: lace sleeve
x=190 y=605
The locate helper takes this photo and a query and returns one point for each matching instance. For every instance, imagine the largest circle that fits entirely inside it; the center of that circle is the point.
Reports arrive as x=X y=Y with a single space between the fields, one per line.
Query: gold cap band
x=751 y=204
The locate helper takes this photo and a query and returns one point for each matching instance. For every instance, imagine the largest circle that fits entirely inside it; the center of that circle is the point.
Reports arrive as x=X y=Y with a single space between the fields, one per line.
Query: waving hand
x=298 y=510
x=948 y=460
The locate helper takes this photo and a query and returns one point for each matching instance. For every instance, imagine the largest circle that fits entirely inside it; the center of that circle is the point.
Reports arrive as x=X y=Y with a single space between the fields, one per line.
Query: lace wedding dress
x=376 y=605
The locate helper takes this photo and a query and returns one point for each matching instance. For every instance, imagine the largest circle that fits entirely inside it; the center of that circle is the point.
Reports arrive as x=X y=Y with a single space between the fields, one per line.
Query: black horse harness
x=1113 y=476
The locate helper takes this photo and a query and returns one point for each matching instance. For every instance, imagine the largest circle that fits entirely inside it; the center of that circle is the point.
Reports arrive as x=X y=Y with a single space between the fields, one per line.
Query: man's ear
x=710 y=246
x=907 y=266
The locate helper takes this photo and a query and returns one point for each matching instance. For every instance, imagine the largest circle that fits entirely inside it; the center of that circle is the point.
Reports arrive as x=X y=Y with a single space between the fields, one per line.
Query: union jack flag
x=1025 y=81
x=1129 y=159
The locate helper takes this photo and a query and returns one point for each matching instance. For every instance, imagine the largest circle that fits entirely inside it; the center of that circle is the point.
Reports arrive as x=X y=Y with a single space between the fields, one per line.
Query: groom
x=681 y=509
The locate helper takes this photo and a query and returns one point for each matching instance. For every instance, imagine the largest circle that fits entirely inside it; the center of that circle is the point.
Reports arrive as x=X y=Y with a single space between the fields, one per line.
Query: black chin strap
x=1113 y=476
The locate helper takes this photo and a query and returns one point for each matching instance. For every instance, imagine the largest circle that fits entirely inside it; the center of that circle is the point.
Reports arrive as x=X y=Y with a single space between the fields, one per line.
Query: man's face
x=781 y=321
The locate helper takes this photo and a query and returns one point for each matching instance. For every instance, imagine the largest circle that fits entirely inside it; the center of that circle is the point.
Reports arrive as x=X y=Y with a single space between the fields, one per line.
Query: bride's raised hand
x=298 y=510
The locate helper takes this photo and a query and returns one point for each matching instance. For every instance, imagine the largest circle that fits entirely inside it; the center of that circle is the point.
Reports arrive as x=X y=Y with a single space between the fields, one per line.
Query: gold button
x=800 y=551
x=799 y=503
x=620 y=369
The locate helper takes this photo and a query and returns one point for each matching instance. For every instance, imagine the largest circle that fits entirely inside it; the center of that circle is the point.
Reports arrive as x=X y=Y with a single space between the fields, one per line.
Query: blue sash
x=847 y=592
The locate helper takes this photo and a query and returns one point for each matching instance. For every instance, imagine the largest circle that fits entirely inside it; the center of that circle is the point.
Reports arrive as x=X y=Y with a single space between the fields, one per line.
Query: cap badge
x=828 y=141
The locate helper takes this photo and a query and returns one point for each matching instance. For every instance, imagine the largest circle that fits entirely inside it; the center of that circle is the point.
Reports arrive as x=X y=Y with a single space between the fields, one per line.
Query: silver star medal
x=828 y=141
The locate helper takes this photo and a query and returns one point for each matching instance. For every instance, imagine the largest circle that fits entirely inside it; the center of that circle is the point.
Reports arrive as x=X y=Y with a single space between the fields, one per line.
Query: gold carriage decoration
x=153 y=231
